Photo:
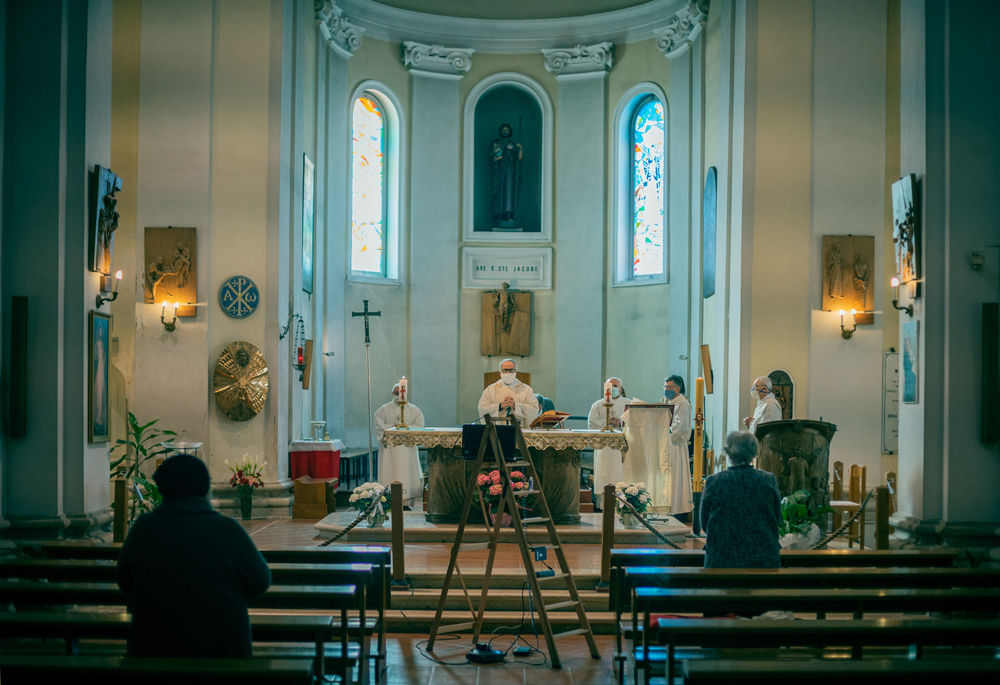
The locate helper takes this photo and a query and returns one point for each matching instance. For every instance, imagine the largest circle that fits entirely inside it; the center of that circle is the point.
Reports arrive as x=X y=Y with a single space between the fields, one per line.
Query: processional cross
x=368 y=366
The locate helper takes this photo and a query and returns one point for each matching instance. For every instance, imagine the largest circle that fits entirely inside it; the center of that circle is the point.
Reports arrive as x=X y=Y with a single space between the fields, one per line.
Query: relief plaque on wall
x=848 y=273
x=506 y=323
x=171 y=267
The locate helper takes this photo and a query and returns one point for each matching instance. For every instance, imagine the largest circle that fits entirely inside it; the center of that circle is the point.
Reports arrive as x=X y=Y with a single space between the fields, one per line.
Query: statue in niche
x=835 y=271
x=505 y=160
x=860 y=283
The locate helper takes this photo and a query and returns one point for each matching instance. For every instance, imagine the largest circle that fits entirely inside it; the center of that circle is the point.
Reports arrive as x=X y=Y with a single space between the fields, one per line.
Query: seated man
x=509 y=396
x=399 y=463
x=188 y=572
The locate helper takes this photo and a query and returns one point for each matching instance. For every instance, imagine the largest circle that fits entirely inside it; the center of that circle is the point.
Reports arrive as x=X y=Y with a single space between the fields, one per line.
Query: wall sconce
x=895 y=298
x=106 y=286
x=845 y=333
x=170 y=326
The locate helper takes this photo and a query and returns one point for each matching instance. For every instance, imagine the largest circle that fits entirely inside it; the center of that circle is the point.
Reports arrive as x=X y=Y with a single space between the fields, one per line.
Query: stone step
x=585 y=580
x=496 y=600
x=406 y=621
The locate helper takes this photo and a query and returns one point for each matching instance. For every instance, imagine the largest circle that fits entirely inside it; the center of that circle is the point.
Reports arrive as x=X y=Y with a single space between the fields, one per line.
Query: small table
x=319 y=459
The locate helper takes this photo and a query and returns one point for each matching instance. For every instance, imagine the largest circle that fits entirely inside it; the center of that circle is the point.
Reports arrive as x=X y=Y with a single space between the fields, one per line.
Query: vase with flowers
x=367 y=494
x=247 y=477
x=636 y=495
x=491 y=489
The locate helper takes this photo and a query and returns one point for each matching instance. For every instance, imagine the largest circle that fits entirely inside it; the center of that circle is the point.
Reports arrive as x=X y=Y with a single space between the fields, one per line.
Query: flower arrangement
x=800 y=517
x=490 y=488
x=247 y=477
x=636 y=495
x=364 y=495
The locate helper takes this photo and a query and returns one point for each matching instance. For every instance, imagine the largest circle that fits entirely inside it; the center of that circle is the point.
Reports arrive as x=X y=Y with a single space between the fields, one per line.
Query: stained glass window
x=647 y=189
x=368 y=187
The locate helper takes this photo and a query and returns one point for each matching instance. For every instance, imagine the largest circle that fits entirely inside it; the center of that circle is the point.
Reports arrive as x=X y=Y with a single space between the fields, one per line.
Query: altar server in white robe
x=608 y=462
x=675 y=466
x=509 y=396
x=399 y=463
x=768 y=408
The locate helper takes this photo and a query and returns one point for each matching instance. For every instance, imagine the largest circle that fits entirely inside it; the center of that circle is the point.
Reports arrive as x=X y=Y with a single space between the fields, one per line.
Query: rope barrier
x=642 y=519
x=361 y=517
x=823 y=542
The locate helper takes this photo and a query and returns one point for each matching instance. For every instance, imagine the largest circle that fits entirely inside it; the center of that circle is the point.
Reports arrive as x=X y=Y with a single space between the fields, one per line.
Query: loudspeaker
x=18 y=426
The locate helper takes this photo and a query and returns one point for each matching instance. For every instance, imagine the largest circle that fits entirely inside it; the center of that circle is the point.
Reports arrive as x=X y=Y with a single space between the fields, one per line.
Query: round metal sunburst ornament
x=241 y=381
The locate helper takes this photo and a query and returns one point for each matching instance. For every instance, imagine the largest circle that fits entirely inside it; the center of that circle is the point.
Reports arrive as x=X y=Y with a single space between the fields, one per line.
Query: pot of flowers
x=799 y=521
x=365 y=495
x=491 y=489
x=247 y=477
x=636 y=495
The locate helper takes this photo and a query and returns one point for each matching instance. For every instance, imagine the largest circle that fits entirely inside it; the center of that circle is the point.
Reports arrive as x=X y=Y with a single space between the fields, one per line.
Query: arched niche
x=521 y=102
x=783 y=388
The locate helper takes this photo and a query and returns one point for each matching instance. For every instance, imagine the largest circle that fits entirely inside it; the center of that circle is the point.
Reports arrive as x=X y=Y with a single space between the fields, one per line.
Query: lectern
x=647 y=430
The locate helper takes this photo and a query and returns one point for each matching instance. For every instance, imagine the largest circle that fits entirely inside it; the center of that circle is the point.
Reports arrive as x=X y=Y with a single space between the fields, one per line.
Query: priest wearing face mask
x=509 y=396
x=768 y=408
x=675 y=465
x=608 y=462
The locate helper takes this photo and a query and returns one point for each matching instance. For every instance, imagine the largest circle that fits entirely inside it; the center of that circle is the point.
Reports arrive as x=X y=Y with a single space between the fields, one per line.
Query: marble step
x=497 y=600
x=406 y=621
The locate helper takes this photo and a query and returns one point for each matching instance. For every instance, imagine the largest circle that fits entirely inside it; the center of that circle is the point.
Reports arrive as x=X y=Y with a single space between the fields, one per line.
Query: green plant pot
x=246 y=507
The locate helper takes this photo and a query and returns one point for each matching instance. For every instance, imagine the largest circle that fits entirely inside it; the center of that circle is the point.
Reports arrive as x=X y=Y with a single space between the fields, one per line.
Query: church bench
x=831 y=672
x=75 y=626
x=856 y=635
x=126 y=670
x=652 y=600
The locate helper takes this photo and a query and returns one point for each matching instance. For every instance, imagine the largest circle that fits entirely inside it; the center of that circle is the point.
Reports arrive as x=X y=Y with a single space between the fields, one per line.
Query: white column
x=434 y=227
x=579 y=258
x=683 y=221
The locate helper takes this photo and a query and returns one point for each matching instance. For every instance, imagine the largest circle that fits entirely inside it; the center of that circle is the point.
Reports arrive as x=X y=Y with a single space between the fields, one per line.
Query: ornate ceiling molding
x=343 y=36
x=583 y=59
x=639 y=22
x=685 y=26
x=438 y=60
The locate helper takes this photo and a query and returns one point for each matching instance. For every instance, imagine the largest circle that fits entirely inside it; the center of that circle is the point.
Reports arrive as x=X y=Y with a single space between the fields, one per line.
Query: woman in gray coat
x=741 y=511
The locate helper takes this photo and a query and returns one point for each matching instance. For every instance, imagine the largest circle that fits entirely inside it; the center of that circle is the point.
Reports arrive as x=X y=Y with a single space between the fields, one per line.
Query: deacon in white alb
x=607 y=461
x=399 y=463
x=676 y=468
x=768 y=408
x=509 y=396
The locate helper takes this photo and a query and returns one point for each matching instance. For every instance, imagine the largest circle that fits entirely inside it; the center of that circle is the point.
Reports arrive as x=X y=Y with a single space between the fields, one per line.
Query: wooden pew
x=649 y=600
x=829 y=672
x=124 y=670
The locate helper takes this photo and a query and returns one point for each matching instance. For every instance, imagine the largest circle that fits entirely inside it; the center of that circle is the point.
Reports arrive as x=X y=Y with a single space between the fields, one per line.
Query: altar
x=555 y=453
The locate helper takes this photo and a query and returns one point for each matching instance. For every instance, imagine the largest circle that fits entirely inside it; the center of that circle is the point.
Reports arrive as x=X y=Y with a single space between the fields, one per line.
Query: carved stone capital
x=685 y=26
x=437 y=59
x=583 y=59
x=341 y=35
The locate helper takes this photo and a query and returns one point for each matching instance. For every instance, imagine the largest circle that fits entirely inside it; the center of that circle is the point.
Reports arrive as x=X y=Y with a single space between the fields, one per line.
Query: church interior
x=307 y=241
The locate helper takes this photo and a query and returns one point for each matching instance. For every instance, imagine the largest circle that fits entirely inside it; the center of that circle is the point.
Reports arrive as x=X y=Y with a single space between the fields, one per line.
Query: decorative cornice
x=341 y=35
x=685 y=26
x=583 y=59
x=512 y=36
x=436 y=59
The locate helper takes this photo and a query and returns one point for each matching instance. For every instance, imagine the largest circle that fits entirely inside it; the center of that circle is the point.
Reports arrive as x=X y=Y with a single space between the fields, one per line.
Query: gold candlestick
x=606 y=428
x=401 y=424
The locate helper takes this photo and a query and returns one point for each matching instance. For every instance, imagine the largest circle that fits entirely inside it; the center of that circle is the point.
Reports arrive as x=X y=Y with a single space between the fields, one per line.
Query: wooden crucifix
x=368 y=367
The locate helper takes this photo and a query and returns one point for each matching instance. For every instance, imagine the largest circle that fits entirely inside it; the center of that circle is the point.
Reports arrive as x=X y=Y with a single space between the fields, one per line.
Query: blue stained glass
x=367 y=220
x=647 y=190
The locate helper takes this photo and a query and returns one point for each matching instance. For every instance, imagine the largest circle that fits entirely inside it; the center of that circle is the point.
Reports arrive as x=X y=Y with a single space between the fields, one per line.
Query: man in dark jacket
x=188 y=572
x=741 y=511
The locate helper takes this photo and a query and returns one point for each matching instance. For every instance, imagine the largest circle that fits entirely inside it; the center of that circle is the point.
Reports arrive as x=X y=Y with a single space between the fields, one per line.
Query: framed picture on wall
x=911 y=362
x=308 y=221
x=99 y=425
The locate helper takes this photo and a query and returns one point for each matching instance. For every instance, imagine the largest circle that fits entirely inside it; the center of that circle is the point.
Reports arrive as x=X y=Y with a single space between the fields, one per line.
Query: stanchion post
x=699 y=456
x=607 y=537
x=398 y=556
x=120 y=525
x=882 y=510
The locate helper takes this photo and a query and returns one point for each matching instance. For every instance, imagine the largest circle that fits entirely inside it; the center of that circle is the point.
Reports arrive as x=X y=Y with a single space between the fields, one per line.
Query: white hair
x=741 y=447
x=504 y=361
x=765 y=380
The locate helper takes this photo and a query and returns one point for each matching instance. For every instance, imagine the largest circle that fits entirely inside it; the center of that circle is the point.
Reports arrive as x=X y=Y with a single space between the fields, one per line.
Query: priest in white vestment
x=509 y=396
x=768 y=408
x=676 y=466
x=608 y=462
x=400 y=463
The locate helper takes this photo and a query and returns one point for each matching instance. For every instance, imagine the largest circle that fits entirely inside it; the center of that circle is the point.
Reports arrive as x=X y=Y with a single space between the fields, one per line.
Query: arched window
x=369 y=192
x=647 y=179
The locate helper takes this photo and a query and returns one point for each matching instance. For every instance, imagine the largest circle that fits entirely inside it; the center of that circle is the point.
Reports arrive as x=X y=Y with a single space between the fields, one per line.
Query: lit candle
x=895 y=288
x=118 y=274
x=163 y=312
x=854 y=323
x=607 y=392
x=841 y=318
x=402 y=388
x=300 y=355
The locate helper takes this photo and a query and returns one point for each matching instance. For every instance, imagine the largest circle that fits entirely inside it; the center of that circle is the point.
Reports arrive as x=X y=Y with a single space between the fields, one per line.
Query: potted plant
x=247 y=477
x=143 y=444
x=491 y=489
x=799 y=521
x=363 y=497
x=636 y=495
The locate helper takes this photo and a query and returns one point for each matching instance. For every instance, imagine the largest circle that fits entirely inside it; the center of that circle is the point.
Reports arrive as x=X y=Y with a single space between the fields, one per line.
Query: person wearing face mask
x=509 y=396
x=608 y=462
x=400 y=463
x=768 y=408
x=675 y=466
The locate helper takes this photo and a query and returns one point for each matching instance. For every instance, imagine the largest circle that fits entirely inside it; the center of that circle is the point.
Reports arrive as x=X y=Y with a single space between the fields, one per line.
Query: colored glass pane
x=647 y=190
x=368 y=165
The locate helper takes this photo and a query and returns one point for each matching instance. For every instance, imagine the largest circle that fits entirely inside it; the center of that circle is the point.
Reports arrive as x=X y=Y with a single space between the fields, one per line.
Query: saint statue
x=860 y=284
x=835 y=271
x=504 y=306
x=505 y=159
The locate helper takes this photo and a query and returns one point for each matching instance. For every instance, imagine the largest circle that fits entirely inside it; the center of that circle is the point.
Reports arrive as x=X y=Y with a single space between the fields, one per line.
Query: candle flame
x=894 y=282
x=853 y=312
x=118 y=275
x=176 y=305
x=842 y=312
x=164 y=304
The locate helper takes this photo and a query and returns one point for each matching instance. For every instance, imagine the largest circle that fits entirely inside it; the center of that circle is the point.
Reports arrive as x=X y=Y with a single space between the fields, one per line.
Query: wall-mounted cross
x=366 y=314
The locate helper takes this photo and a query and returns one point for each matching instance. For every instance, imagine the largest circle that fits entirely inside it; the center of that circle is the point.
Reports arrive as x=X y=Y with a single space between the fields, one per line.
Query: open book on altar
x=550 y=419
